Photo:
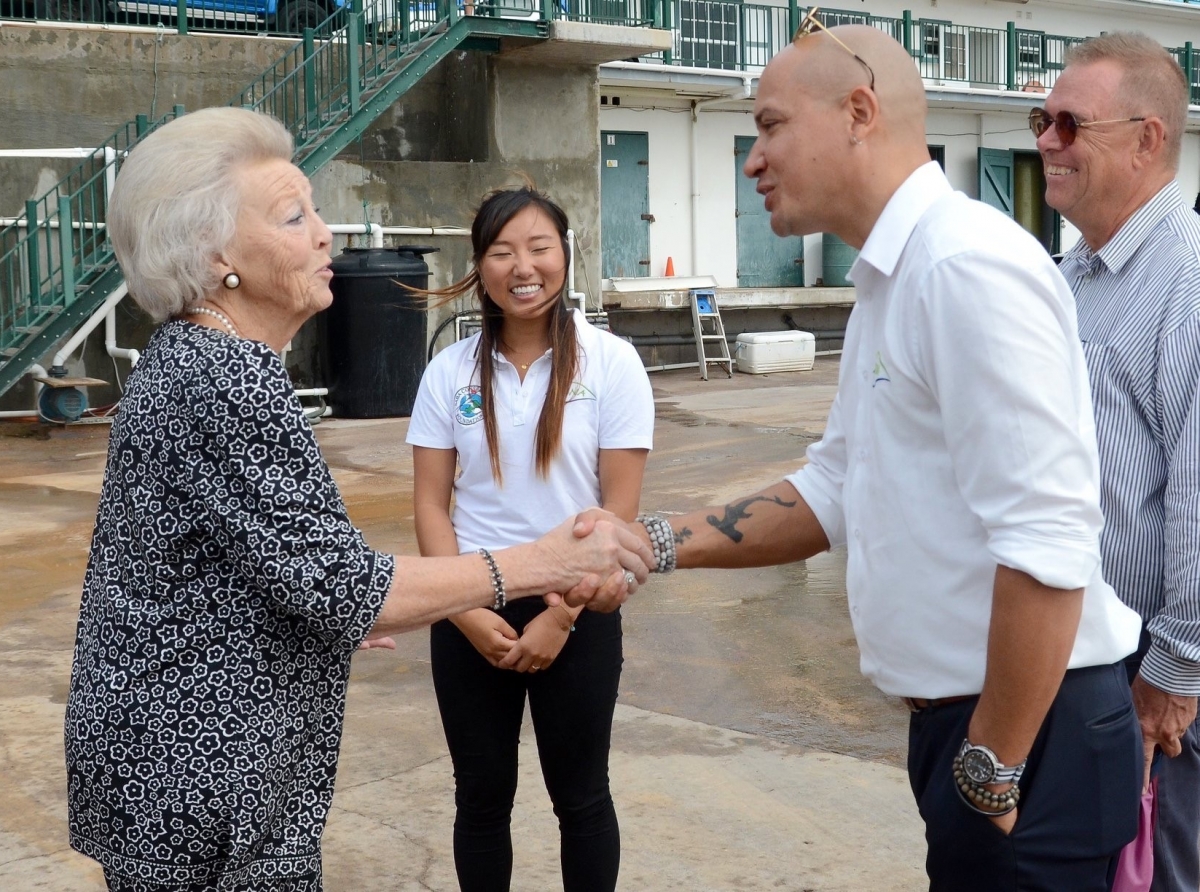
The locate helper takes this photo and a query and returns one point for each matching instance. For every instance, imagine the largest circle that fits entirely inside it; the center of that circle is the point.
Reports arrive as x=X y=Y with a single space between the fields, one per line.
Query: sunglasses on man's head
x=1065 y=124
x=811 y=23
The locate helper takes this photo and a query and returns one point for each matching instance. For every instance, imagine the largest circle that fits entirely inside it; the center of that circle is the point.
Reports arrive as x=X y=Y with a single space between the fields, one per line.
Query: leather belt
x=916 y=704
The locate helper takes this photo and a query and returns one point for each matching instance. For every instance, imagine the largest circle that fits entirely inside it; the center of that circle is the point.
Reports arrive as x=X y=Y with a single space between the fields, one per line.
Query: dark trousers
x=1177 y=831
x=1079 y=794
x=572 y=705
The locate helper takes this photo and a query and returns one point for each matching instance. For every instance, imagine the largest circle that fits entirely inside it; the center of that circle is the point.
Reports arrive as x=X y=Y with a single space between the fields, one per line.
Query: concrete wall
x=474 y=123
x=431 y=168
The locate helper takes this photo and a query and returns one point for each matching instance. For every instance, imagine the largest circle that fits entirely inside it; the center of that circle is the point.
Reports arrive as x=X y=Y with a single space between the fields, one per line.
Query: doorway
x=624 y=204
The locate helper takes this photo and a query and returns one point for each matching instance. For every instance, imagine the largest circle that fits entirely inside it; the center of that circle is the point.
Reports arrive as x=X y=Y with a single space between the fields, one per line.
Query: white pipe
x=377 y=231
x=572 y=294
x=110 y=339
x=34 y=369
x=22 y=223
x=743 y=92
x=61 y=357
x=110 y=173
x=78 y=152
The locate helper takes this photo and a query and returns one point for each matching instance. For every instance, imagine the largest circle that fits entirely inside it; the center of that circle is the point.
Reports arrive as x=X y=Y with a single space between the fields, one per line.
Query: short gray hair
x=1152 y=83
x=174 y=207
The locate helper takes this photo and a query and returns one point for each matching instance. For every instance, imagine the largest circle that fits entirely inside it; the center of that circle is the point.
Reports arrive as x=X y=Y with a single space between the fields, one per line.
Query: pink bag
x=1135 y=868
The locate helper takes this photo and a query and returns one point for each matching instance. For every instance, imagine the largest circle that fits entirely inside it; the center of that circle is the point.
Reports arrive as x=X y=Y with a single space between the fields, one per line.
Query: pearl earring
x=855 y=141
x=231 y=281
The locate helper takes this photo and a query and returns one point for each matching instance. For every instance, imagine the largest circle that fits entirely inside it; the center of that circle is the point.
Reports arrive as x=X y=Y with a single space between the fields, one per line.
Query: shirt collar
x=1118 y=250
x=900 y=216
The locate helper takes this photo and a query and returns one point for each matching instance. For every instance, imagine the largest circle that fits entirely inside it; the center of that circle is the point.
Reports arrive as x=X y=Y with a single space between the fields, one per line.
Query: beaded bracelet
x=662 y=541
x=501 y=597
x=981 y=799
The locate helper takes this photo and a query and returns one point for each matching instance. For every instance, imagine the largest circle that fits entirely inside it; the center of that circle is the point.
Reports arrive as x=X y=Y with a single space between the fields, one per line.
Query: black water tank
x=375 y=331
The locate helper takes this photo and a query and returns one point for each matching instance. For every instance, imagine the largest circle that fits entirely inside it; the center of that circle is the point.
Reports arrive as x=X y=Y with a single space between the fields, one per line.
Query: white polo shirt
x=610 y=406
x=961 y=437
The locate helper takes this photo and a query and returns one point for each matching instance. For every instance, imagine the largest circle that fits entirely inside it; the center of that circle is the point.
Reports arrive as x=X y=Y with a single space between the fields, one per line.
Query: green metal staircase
x=56 y=264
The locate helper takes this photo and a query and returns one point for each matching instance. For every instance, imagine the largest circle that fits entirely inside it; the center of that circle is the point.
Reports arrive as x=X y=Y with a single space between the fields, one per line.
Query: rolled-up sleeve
x=1024 y=454
x=820 y=482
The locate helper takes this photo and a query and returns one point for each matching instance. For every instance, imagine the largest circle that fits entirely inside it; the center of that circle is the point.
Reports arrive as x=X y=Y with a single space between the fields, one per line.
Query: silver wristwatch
x=981 y=766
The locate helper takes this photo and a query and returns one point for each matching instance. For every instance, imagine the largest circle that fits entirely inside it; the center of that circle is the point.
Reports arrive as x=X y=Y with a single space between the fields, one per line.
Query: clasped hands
x=630 y=556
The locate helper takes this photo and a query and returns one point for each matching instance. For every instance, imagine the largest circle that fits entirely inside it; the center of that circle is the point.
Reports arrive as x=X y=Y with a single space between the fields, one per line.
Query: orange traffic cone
x=670 y=270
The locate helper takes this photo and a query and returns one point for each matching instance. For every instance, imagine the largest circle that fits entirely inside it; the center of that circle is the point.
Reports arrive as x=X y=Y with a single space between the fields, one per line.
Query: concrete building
x=636 y=116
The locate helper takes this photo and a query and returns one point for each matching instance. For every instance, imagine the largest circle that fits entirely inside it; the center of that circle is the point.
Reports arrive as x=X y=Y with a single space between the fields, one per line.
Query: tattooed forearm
x=737 y=511
x=685 y=533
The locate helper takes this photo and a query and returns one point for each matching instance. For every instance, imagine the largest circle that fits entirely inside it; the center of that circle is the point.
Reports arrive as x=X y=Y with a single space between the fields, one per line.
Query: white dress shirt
x=961 y=438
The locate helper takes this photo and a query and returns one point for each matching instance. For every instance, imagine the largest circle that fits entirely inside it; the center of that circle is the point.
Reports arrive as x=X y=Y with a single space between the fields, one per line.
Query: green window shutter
x=996 y=179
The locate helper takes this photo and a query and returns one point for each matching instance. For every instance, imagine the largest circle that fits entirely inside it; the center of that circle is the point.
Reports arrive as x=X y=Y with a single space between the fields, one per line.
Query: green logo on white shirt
x=880 y=371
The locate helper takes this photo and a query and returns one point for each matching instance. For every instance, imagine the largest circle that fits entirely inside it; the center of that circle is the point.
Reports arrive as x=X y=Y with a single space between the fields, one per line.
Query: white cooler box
x=760 y=352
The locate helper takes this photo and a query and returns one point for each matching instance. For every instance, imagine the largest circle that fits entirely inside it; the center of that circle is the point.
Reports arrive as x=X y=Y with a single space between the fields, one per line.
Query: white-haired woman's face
x=280 y=249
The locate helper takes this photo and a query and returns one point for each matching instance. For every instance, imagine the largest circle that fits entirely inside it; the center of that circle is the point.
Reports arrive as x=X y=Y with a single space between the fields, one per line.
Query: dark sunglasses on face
x=1065 y=124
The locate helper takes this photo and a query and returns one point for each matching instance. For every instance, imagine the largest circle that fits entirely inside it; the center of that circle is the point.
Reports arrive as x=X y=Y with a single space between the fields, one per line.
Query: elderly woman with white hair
x=226 y=589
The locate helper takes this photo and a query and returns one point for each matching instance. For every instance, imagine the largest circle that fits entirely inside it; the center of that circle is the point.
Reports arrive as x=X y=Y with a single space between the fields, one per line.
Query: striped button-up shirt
x=1138 y=301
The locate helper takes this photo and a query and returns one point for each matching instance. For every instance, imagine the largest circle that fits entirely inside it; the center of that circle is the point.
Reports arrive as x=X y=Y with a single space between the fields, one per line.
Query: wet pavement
x=748 y=751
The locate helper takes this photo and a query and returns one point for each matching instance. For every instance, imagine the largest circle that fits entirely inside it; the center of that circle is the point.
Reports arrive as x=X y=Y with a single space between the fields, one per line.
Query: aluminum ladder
x=709 y=329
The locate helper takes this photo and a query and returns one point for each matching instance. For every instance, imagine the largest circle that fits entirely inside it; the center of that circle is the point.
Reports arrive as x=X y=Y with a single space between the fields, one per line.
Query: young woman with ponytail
x=537 y=417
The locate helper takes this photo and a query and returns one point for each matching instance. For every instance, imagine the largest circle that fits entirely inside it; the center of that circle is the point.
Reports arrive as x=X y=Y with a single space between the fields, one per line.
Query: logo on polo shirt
x=579 y=392
x=880 y=371
x=468 y=405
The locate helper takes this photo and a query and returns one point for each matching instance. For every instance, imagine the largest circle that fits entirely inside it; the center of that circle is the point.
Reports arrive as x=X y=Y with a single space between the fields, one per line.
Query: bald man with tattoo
x=959 y=469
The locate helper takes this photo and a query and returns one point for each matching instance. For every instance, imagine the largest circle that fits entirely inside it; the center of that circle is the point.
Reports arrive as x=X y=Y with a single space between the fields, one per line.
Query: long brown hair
x=495 y=212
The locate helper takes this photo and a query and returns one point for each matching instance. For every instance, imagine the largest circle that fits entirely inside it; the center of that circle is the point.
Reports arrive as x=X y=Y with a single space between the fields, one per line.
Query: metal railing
x=59 y=245
x=292 y=17
x=58 y=250
x=736 y=36
x=277 y=17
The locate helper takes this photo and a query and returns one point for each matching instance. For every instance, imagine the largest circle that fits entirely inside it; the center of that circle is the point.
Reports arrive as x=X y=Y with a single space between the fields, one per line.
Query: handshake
x=599 y=560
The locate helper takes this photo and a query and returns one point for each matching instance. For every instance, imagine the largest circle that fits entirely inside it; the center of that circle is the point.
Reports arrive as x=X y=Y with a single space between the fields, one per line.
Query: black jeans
x=572 y=705
x=1079 y=794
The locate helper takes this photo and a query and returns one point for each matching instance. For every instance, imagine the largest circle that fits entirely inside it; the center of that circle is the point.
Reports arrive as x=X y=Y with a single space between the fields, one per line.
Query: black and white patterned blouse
x=225 y=593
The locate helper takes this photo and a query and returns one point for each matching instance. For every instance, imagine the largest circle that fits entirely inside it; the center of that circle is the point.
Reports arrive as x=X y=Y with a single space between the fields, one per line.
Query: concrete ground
x=748 y=751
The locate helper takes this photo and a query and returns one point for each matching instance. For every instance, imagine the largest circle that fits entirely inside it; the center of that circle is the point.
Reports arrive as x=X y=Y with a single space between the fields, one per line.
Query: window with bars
x=708 y=33
x=1029 y=50
x=931 y=39
x=831 y=18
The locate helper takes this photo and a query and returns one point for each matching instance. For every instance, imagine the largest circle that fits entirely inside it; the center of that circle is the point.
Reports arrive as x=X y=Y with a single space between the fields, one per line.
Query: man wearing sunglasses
x=959 y=470
x=1110 y=138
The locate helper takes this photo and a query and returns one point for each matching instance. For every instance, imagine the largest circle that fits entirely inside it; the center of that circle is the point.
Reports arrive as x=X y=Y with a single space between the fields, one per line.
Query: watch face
x=978 y=766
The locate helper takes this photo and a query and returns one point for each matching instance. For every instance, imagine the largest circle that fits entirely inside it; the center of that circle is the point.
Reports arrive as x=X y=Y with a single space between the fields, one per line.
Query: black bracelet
x=662 y=541
x=500 y=596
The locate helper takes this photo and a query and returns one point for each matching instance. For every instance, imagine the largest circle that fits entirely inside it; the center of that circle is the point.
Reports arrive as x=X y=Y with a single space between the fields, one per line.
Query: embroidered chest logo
x=880 y=372
x=579 y=392
x=468 y=405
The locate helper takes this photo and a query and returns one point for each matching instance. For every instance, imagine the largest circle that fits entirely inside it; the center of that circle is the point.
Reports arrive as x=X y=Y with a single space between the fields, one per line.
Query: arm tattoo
x=737 y=511
x=685 y=533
